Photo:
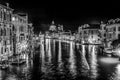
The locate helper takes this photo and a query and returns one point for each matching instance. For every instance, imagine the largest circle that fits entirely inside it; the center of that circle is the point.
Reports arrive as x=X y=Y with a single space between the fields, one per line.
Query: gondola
x=4 y=65
x=18 y=62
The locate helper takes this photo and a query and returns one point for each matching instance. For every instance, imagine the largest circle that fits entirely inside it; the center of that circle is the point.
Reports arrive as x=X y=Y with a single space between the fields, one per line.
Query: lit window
x=13 y=18
x=5 y=10
x=119 y=28
x=21 y=28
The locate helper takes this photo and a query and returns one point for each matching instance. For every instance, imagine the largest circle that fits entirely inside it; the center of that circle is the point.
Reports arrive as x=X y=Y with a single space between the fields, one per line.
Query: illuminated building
x=88 y=31
x=103 y=31
x=20 y=23
x=6 y=43
x=53 y=27
x=30 y=39
x=113 y=30
x=60 y=28
x=110 y=31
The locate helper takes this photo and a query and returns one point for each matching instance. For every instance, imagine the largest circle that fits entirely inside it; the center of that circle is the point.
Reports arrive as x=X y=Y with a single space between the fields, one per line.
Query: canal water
x=65 y=60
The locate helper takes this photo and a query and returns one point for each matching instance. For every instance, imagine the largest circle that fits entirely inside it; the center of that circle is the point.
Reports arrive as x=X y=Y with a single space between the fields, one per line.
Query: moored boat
x=112 y=52
x=18 y=62
x=4 y=65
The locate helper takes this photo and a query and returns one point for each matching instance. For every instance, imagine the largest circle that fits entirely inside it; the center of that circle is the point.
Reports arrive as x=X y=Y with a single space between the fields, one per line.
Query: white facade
x=53 y=27
x=6 y=43
x=89 y=32
x=21 y=30
x=112 y=31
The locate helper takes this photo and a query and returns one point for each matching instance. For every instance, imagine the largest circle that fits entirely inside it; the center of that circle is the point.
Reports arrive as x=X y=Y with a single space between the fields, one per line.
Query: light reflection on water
x=83 y=56
x=93 y=61
x=63 y=61
x=68 y=60
x=60 y=63
x=17 y=72
x=72 y=61
x=60 y=60
x=116 y=74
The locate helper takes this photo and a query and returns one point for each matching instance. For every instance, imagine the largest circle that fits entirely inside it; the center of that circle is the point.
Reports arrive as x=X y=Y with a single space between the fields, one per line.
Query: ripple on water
x=11 y=77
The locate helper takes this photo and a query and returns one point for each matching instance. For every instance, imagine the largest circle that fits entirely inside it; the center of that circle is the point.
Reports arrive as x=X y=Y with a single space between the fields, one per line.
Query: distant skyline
x=68 y=13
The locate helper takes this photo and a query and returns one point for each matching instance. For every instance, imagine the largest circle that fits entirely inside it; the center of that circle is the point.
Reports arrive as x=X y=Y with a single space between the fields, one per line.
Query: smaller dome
x=52 y=26
x=53 y=22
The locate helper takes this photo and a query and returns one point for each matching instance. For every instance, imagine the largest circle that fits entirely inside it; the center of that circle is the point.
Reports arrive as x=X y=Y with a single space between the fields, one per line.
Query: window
x=104 y=35
x=0 y=14
x=13 y=18
x=119 y=28
x=5 y=42
x=21 y=28
x=27 y=36
x=5 y=49
x=114 y=29
x=4 y=16
x=118 y=36
x=84 y=32
x=10 y=17
x=4 y=32
x=104 y=28
x=10 y=48
x=1 y=32
x=10 y=32
x=2 y=50
x=21 y=38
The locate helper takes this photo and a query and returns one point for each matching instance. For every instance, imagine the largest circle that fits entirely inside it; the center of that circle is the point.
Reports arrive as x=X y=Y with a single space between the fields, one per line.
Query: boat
x=111 y=52
x=108 y=50
x=18 y=59
x=4 y=65
x=18 y=62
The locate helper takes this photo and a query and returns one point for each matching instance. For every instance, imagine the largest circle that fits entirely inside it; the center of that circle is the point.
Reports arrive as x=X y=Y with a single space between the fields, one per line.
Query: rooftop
x=92 y=26
x=6 y=7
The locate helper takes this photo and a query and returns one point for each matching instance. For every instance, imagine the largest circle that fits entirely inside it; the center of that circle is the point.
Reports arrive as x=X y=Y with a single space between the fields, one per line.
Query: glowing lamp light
x=118 y=52
x=13 y=18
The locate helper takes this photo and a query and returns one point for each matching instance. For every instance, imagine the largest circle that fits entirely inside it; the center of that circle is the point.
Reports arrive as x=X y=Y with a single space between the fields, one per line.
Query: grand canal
x=65 y=60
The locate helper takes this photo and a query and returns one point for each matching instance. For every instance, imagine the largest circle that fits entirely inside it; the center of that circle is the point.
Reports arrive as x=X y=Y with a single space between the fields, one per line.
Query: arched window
x=0 y=14
x=2 y=50
x=21 y=28
x=119 y=28
x=4 y=32
x=1 y=32
x=21 y=37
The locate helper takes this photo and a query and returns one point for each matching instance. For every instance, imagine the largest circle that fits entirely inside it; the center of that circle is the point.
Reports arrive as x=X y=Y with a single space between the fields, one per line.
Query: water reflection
x=93 y=61
x=57 y=60
x=72 y=66
x=68 y=60
x=60 y=63
x=17 y=72
x=84 y=63
x=60 y=58
x=49 y=51
x=42 y=56
x=116 y=74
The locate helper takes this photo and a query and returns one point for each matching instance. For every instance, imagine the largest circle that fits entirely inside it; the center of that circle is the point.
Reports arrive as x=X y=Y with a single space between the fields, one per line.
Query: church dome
x=52 y=26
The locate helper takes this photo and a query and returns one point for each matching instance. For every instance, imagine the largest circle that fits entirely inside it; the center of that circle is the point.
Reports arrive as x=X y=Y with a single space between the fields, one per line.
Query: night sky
x=71 y=14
